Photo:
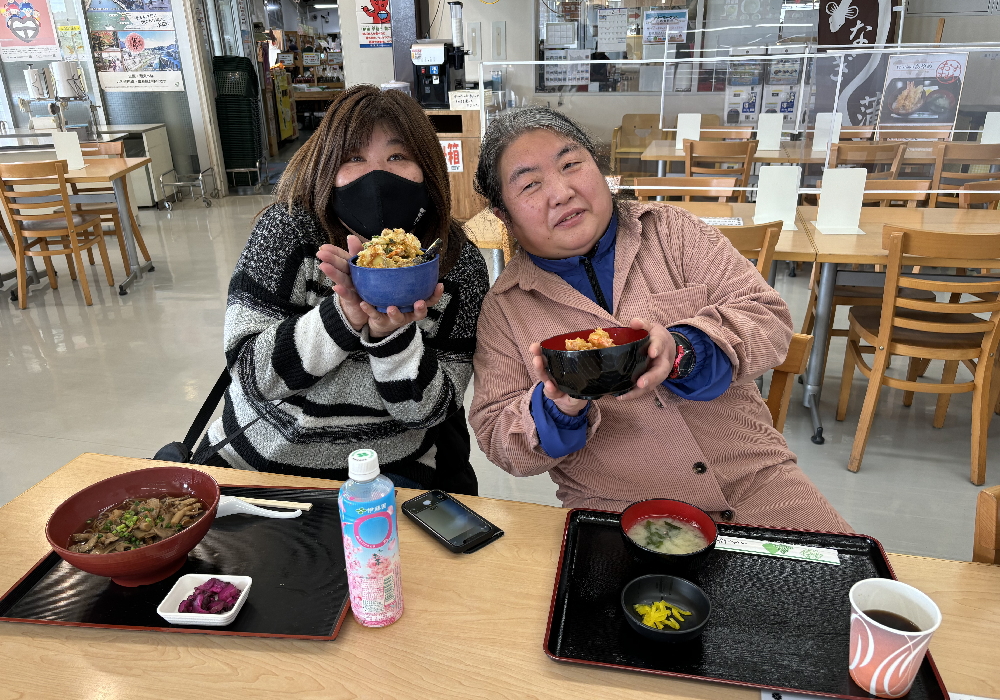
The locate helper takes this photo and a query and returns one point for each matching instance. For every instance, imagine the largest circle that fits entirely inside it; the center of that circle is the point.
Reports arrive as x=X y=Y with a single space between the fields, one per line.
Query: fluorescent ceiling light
x=325 y=7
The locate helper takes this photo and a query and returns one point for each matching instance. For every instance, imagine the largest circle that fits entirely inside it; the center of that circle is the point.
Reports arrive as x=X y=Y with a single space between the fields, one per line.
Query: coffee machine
x=438 y=65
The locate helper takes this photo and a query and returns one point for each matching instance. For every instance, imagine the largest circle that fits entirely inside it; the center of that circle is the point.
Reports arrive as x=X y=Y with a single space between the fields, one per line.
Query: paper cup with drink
x=891 y=625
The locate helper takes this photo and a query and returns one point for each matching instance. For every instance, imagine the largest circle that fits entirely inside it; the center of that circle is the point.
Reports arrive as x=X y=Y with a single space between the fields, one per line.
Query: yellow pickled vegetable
x=661 y=614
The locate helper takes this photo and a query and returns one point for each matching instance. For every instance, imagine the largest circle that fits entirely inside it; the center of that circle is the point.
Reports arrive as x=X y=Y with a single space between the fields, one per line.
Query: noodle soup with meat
x=136 y=523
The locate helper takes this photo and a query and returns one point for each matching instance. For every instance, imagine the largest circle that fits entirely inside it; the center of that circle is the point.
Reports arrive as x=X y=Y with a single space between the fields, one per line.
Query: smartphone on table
x=450 y=522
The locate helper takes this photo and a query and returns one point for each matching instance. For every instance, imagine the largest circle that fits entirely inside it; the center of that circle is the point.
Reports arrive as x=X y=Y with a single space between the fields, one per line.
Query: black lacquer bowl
x=591 y=374
x=683 y=564
x=646 y=590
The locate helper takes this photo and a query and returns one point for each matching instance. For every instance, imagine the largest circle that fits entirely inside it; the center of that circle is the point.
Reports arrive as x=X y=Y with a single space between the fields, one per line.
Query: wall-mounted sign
x=374 y=23
x=27 y=32
x=137 y=61
x=664 y=26
x=150 y=21
x=453 y=155
x=71 y=43
x=922 y=90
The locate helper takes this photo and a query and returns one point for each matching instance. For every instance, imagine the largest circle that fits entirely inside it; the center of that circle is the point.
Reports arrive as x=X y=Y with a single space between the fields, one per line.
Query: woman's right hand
x=335 y=264
x=563 y=401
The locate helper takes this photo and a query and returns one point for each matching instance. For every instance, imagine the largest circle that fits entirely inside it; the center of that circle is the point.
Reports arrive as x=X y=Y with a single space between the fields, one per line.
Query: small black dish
x=591 y=374
x=646 y=590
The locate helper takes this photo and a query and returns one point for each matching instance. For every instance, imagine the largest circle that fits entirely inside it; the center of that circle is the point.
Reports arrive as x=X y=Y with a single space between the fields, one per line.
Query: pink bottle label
x=371 y=550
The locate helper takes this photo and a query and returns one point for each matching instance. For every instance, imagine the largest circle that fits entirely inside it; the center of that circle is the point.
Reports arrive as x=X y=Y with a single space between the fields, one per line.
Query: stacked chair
x=237 y=108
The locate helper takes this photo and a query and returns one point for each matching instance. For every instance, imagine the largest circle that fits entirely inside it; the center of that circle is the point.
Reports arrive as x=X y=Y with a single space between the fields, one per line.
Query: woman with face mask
x=296 y=329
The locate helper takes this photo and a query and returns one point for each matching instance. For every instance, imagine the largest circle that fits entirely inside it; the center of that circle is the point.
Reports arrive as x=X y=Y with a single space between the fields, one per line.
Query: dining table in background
x=104 y=171
x=866 y=248
x=473 y=624
x=664 y=152
x=793 y=246
x=790 y=153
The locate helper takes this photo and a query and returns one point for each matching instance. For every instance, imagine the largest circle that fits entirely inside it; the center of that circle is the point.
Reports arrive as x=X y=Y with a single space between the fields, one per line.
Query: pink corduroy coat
x=722 y=455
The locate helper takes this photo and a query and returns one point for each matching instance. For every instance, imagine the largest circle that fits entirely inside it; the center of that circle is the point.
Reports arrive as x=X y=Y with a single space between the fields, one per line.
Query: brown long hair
x=346 y=129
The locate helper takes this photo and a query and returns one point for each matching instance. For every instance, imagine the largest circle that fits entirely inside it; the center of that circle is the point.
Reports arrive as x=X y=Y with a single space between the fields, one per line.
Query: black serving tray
x=779 y=624
x=299 y=577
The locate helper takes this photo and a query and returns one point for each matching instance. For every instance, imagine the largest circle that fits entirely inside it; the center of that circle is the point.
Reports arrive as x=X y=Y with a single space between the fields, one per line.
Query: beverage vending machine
x=744 y=83
x=782 y=78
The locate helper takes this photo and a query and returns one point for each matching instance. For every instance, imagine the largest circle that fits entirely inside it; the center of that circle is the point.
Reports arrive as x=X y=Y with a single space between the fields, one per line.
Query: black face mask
x=380 y=200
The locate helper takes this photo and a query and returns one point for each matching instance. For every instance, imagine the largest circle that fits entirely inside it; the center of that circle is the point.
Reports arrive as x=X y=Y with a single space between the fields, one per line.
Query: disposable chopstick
x=278 y=504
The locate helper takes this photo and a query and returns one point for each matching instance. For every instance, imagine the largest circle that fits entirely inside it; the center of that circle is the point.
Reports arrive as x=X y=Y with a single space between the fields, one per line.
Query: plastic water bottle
x=371 y=544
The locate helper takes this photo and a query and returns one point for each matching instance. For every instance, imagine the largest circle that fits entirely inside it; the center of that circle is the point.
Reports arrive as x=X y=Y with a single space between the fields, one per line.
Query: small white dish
x=185 y=586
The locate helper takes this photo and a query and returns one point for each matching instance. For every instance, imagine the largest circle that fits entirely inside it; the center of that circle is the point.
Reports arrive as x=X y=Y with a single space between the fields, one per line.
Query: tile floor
x=128 y=374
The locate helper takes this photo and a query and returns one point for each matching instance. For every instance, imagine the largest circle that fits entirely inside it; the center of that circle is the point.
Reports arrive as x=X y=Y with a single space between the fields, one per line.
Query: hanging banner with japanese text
x=27 y=32
x=374 y=24
x=861 y=23
x=923 y=90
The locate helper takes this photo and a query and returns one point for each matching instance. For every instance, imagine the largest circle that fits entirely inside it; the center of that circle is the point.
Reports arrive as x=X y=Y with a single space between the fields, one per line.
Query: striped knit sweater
x=286 y=338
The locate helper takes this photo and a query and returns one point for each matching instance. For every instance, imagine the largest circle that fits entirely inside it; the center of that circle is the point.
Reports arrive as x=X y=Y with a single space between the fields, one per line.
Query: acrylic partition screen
x=887 y=110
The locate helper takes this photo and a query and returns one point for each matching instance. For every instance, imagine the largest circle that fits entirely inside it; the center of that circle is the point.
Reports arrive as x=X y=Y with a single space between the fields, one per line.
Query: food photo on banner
x=27 y=32
x=923 y=90
x=128 y=61
x=854 y=23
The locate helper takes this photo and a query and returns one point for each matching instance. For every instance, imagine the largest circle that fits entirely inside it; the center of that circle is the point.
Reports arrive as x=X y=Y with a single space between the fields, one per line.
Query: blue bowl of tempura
x=383 y=285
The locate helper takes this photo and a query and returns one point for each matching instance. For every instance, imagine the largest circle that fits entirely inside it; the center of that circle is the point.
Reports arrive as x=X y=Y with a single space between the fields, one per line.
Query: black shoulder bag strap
x=183 y=452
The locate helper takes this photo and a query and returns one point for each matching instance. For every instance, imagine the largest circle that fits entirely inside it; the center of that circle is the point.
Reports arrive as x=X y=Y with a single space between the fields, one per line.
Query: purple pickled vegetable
x=212 y=597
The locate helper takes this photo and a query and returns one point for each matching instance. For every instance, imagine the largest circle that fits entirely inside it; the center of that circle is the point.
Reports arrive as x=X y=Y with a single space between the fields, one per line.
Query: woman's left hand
x=661 y=350
x=381 y=325
x=335 y=264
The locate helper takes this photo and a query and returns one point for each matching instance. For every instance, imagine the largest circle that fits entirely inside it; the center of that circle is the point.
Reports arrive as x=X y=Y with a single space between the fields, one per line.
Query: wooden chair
x=987 y=193
x=881 y=159
x=630 y=139
x=733 y=133
x=487 y=232
x=908 y=133
x=108 y=211
x=961 y=159
x=755 y=242
x=929 y=330
x=915 y=192
x=783 y=378
x=857 y=133
x=30 y=212
x=669 y=187
x=709 y=157
x=986 y=545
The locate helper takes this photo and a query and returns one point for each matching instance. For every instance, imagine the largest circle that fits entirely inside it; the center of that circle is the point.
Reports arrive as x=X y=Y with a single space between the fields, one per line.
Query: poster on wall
x=27 y=32
x=558 y=70
x=664 y=26
x=923 y=90
x=129 y=61
x=71 y=43
x=612 y=29
x=141 y=21
x=861 y=23
x=374 y=24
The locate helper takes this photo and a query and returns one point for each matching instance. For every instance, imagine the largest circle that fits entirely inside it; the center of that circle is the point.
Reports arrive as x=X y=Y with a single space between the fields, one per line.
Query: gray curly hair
x=505 y=128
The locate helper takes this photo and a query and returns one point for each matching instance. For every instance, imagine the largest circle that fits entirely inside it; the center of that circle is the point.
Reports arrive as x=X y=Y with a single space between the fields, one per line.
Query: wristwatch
x=684 y=361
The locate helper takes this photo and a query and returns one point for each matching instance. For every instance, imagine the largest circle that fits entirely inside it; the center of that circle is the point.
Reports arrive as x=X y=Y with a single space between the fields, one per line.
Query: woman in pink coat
x=695 y=427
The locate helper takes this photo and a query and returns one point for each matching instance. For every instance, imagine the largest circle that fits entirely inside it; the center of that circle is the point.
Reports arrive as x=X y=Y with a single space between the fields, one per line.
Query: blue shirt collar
x=605 y=245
